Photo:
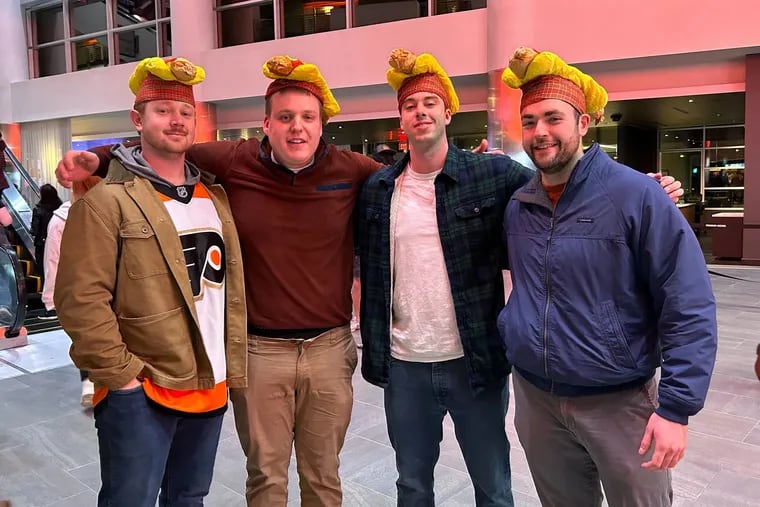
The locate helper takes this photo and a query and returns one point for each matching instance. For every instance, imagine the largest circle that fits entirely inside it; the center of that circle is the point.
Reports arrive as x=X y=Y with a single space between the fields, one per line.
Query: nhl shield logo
x=182 y=192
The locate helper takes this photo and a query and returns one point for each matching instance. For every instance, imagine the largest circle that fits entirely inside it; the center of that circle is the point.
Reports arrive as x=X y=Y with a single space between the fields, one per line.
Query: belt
x=298 y=334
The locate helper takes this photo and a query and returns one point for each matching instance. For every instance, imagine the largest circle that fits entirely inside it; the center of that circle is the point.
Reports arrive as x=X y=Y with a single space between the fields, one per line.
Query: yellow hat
x=170 y=79
x=545 y=75
x=288 y=72
x=410 y=73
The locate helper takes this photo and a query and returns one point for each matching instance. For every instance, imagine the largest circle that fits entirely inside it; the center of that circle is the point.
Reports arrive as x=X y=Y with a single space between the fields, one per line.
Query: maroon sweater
x=296 y=229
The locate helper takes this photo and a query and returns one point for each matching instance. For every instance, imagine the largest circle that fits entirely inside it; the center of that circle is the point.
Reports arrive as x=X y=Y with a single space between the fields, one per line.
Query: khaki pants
x=573 y=443
x=299 y=391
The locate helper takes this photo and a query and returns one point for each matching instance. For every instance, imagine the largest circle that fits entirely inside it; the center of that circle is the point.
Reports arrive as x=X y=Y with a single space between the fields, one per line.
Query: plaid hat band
x=553 y=87
x=281 y=84
x=422 y=83
x=155 y=88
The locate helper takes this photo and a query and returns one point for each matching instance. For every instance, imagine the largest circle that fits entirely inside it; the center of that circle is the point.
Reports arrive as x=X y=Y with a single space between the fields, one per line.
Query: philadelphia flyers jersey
x=200 y=232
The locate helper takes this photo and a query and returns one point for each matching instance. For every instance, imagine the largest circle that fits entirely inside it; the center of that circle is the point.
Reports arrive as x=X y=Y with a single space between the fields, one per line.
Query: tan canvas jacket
x=123 y=293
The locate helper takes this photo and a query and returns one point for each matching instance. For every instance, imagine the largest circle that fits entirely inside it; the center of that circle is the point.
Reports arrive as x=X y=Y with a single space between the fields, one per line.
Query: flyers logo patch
x=205 y=259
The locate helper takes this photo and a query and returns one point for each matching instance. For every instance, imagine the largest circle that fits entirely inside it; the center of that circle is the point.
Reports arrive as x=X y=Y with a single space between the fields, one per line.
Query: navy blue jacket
x=471 y=193
x=608 y=286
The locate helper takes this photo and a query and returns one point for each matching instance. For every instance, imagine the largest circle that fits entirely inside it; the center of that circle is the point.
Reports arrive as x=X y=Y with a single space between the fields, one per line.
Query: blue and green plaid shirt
x=472 y=192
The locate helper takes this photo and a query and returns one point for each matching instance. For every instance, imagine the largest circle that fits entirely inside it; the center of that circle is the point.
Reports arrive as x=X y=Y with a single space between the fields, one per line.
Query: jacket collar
x=450 y=166
x=534 y=193
x=119 y=174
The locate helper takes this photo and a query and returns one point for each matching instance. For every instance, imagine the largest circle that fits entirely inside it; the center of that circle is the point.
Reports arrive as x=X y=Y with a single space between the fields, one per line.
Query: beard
x=564 y=155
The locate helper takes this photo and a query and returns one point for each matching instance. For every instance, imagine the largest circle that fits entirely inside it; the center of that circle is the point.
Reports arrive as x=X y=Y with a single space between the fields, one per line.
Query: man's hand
x=76 y=166
x=671 y=185
x=130 y=385
x=669 y=443
x=483 y=148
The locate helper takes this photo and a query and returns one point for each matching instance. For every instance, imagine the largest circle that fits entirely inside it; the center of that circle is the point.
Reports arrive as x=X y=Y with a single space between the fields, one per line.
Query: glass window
x=449 y=6
x=134 y=45
x=87 y=17
x=243 y=25
x=132 y=12
x=371 y=12
x=48 y=24
x=686 y=167
x=90 y=53
x=304 y=16
x=166 y=39
x=51 y=60
x=681 y=139
x=724 y=136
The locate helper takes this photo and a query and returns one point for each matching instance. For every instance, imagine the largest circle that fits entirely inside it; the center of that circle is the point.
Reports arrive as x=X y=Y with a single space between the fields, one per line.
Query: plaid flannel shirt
x=471 y=192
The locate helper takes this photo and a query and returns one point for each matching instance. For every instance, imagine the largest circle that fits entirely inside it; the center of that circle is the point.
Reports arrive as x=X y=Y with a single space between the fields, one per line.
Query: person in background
x=384 y=154
x=41 y=215
x=52 y=254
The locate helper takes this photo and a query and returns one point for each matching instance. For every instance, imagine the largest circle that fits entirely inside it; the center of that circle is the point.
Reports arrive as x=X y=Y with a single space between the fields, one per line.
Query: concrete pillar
x=751 y=247
x=510 y=25
x=14 y=57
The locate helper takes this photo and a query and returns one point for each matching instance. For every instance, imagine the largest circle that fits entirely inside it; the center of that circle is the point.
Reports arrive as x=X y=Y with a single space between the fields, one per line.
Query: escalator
x=20 y=286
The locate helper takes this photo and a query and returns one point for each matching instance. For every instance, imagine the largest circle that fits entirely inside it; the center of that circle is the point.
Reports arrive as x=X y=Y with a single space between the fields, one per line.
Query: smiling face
x=166 y=127
x=552 y=131
x=424 y=118
x=294 y=126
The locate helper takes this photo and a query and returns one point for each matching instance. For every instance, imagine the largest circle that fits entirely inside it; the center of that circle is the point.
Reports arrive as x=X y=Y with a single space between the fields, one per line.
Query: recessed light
x=691 y=101
x=333 y=138
x=366 y=140
x=486 y=125
x=682 y=155
x=340 y=126
x=667 y=135
x=676 y=137
x=717 y=114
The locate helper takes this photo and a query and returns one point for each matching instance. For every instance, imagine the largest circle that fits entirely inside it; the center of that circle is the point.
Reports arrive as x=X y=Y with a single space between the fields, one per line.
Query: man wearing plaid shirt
x=431 y=276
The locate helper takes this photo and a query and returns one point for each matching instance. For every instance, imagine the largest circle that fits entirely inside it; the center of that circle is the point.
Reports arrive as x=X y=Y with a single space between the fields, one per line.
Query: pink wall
x=609 y=41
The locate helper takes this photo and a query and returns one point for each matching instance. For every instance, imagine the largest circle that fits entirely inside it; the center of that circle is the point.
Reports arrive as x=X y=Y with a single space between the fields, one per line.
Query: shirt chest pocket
x=480 y=213
x=140 y=252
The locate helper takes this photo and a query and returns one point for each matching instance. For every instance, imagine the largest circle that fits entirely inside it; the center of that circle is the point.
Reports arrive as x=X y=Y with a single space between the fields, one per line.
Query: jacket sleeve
x=84 y=292
x=52 y=253
x=672 y=266
x=216 y=156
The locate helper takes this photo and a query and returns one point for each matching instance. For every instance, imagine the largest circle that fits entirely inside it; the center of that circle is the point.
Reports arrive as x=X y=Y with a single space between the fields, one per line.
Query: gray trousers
x=573 y=443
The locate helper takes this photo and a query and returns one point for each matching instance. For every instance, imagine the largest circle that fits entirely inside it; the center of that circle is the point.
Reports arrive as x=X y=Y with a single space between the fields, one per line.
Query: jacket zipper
x=547 y=281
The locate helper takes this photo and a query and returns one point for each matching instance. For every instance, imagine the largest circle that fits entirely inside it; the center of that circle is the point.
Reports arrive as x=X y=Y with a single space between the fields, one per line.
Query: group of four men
x=609 y=284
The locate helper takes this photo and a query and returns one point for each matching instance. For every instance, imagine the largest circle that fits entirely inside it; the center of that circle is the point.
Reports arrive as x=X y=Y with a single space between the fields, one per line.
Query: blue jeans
x=144 y=449
x=417 y=398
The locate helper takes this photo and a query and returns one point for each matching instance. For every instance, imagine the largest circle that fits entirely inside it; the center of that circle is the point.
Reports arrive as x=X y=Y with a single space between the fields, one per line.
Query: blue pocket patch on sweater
x=334 y=186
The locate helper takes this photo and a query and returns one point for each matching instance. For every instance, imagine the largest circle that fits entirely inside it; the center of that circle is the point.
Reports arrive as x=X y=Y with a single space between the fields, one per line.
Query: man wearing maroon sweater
x=292 y=197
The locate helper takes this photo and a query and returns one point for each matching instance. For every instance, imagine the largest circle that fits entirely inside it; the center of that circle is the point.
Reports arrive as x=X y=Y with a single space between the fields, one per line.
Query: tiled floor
x=48 y=452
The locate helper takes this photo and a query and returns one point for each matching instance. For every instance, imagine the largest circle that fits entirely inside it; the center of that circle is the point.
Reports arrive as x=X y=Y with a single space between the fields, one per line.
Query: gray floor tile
x=730 y=489
x=85 y=498
x=721 y=425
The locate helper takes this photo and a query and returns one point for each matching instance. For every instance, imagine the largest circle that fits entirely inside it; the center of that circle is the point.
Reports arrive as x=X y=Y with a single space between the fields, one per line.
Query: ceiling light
x=340 y=126
x=691 y=101
x=717 y=114
x=333 y=137
x=682 y=155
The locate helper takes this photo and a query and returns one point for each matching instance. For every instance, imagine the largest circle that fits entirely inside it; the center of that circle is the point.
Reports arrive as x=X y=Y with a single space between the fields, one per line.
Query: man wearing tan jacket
x=151 y=292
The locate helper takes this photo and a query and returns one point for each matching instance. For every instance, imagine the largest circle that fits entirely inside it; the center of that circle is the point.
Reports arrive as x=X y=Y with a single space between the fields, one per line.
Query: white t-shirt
x=424 y=327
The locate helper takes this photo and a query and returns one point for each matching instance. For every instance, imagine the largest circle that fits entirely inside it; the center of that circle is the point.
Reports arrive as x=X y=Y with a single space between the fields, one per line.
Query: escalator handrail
x=19 y=313
x=23 y=172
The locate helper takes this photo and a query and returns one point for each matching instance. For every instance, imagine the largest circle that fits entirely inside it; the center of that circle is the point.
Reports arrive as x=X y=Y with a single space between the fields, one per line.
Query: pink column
x=751 y=249
x=510 y=24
